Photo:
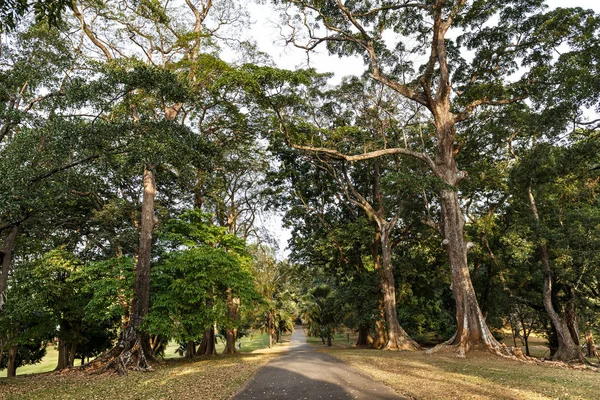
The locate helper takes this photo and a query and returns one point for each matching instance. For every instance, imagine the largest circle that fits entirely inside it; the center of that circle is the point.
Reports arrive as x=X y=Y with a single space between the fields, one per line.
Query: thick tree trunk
x=398 y=339
x=11 y=368
x=472 y=329
x=207 y=345
x=190 y=349
x=233 y=312
x=363 y=333
x=63 y=355
x=6 y=258
x=133 y=347
x=329 y=341
x=568 y=349
x=380 y=335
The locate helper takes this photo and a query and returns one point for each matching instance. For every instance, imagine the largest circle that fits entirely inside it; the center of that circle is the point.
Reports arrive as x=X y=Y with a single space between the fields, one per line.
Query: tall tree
x=449 y=86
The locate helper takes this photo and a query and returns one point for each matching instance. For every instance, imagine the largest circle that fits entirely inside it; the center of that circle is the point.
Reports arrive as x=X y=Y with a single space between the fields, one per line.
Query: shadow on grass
x=480 y=375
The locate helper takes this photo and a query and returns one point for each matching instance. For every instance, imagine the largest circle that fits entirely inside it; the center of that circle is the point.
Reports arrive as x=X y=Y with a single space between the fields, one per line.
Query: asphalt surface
x=302 y=373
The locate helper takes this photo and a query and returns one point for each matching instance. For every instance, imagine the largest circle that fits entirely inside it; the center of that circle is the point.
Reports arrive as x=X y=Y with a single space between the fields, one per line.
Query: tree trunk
x=63 y=354
x=11 y=368
x=472 y=329
x=133 y=349
x=329 y=340
x=591 y=350
x=73 y=349
x=6 y=257
x=567 y=350
x=270 y=328
x=380 y=334
x=233 y=312
x=363 y=333
x=571 y=318
x=398 y=339
x=190 y=350
x=207 y=346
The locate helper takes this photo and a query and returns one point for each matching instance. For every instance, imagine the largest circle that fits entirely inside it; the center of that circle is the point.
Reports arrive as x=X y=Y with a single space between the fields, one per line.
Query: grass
x=250 y=343
x=216 y=377
x=48 y=363
x=481 y=375
x=343 y=338
x=538 y=346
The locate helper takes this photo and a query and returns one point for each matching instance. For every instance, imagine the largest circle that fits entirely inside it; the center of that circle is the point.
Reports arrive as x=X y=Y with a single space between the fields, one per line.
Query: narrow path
x=302 y=373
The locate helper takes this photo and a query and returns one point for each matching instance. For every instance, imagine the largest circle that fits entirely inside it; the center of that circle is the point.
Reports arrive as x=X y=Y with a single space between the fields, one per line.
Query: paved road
x=302 y=373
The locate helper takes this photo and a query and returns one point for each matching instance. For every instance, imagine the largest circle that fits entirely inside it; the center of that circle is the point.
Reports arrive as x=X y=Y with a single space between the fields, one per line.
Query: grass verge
x=479 y=376
x=255 y=341
x=212 y=378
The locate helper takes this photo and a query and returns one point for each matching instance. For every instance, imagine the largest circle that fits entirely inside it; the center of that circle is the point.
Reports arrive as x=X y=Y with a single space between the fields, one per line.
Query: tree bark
x=398 y=339
x=567 y=350
x=73 y=351
x=63 y=355
x=591 y=350
x=190 y=350
x=380 y=334
x=133 y=348
x=270 y=328
x=233 y=308
x=363 y=333
x=207 y=346
x=11 y=368
x=472 y=329
x=6 y=257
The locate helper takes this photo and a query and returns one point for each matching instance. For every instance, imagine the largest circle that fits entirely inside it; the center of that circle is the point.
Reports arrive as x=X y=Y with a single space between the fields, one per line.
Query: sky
x=265 y=32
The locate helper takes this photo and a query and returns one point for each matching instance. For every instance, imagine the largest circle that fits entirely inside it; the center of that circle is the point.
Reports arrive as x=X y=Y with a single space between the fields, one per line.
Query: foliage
x=200 y=263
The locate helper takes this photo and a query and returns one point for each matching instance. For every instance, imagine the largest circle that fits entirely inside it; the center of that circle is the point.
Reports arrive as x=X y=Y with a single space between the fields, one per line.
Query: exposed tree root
x=402 y=343
x=460 y=348
x=127 y=355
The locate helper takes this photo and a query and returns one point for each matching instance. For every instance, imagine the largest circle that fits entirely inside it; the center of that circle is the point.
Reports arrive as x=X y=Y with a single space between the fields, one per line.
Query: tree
x=320 y=313
x=277 y=284
x=165 y=72
x=201 y=269
x=354 y=115
x=26 y=322
x=449 y=86
x=12 y=12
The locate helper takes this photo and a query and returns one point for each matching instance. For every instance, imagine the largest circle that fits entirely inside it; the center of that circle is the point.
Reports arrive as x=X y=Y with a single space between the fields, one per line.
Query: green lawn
x=250 y=343
x=342 y=338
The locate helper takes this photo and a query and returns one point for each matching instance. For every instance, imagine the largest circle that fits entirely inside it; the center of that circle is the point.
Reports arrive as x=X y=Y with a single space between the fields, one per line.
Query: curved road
x=302 y=373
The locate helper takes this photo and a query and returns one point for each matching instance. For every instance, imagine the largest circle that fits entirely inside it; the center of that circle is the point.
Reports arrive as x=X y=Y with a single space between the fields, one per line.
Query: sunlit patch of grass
x=47 y=364
x=212 y=378
x=480 y=375
x=256 y=341
x=343 y=338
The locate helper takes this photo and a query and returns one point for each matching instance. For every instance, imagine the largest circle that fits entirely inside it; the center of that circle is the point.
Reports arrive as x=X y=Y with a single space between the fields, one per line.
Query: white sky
x=265 y=33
